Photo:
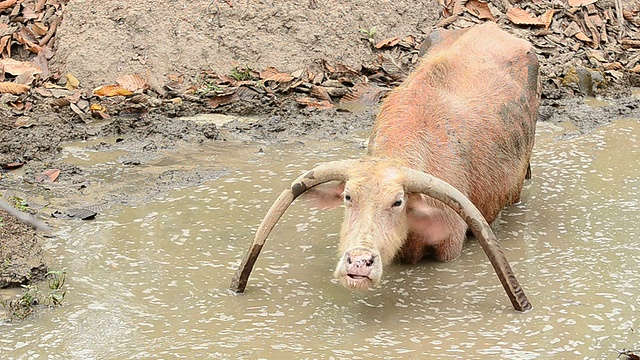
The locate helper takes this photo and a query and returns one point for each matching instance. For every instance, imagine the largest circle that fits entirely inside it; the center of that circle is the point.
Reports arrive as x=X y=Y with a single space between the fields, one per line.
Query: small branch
x=24 y=217
x=619 y=14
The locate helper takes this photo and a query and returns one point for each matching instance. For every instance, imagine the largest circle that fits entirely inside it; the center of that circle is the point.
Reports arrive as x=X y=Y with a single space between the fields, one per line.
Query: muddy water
x=151 y=281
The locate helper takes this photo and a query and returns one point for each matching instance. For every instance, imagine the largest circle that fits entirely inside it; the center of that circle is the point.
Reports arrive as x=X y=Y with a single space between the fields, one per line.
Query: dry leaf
x=342 y=68
x=572 y=29
x=40 y=5
x=388 y=42
x=60 y=102
x=49 y=85
x=7 y=4
x=25 y=38
x=630 y=43
x=76 y=109
x=43 y=92
x=597 y=55
x=112 y=90
x=97 y=107
x=98 y=111
x=24 y=122
x=613 y=66
x=575 y=3
x=299 y=73
x=13 y=88
x=133 y=82
x=547 y=17
x=6 y=30
x=18 y=105
x=319 y=92
x=4 y=42
x=361 y=96
x=582 y=37
x=28 y=13
x=458 y=7
x=392 y=65
x=327 y=66
x=13 y=165
x=16 y=68
x=39 y=28
x=48 y=175
x=480 y=9
x=100 y=115
x=409 y=41
x=72 y=82
x=521 y=17
x=314 y=103
x=25 y=78
x=273 y=74
x=214 y=102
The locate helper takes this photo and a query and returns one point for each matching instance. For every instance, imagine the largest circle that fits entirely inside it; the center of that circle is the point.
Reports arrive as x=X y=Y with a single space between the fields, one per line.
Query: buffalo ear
x=325 y=196
x=426 y=220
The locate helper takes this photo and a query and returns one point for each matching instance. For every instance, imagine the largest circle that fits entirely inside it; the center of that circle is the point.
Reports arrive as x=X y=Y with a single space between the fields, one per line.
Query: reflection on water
x=151 y=281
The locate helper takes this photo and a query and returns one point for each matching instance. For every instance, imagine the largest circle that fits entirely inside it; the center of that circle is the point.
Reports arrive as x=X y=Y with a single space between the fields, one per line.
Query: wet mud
x=145 y=141
x=154 y=275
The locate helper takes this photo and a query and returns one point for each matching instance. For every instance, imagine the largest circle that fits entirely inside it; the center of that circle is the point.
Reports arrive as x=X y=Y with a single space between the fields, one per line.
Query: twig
x=619 y=13
x=24 y=217
x=53 y=27
x=217 y=10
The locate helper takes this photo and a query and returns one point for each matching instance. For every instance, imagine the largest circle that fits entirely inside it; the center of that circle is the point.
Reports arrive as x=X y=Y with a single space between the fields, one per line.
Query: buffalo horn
x=420 y=182
x=330 y=171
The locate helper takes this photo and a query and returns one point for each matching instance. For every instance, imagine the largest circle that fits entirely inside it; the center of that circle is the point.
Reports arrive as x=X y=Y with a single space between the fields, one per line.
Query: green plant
x=207 y=88
x=56 y=280
x=369 y=34
x=1 y=221
x=241 y=74
x=25 y=305
x=20 y=203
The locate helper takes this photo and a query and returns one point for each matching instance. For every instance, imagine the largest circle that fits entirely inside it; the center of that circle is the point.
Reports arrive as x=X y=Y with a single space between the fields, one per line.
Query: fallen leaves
x=314 y=103
x=13 y=88
x=7 y=4
x=12 y=165
x=577 y=3
x=319 y=87
x=30 y=25
x=49 y=175
x=559 y=30
x=563 y=33
x=112 y=90
x=362 y=96
x=519 y=16
x=72 y=82
x=272 y=74
x=453 y=9
x=223 y=99
x=135 y=83
x=16 y=68
x=126 y=85
x=480 y=9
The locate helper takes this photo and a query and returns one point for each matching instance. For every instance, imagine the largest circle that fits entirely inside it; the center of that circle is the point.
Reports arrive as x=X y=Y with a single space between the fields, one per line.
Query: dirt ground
x=173 y=43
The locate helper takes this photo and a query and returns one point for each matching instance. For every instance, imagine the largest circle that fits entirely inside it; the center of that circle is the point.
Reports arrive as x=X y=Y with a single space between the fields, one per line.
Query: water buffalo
x=449 y=149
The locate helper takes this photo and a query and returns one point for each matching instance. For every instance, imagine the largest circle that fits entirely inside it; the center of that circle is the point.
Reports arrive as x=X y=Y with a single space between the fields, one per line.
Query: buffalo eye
x=397 y=203
x=347 y=197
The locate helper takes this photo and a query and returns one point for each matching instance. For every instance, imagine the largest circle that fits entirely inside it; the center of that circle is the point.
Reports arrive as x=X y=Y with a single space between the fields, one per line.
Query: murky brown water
x=151 y=281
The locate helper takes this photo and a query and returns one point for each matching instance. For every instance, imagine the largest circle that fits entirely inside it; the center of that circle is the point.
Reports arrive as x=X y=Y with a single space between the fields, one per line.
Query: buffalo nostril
x=370 y=261
x=359 y=259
